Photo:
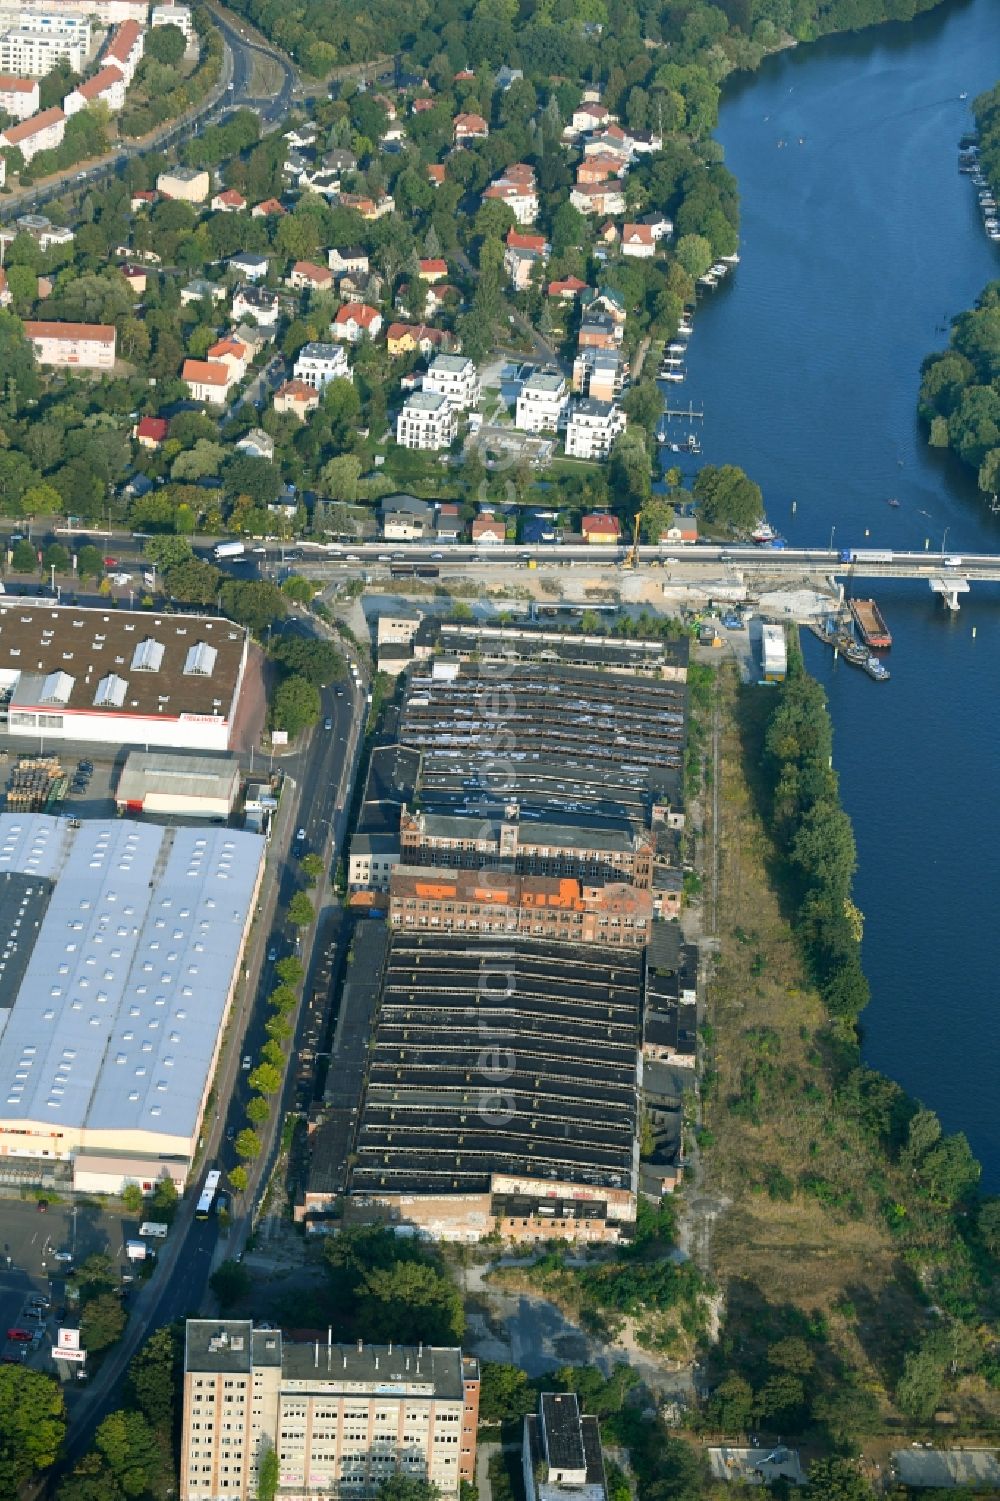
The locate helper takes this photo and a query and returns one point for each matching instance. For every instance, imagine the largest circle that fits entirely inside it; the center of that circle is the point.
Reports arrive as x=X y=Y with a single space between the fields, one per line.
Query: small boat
x=964 y=94
x=731 y=260
x=677 y=347
x=892 y=501
x=674 y=374
x=875 y=669
x=763 y=532
x=720 y=269
x=708 y=280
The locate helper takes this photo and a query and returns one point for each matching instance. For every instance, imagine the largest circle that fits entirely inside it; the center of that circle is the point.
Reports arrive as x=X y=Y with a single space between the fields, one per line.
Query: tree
x=22 y=284
x=32 y=1426
x=989 y=1225
x=239 y=1177
x=245 y=474
x=266 y=1079
x=168 y=552
x=25 y=559
x=283 y=999
x=407 y=1488
x=230 y=1282
x=132 y=1198
x=504 y=1393
x=193 y=582
x=153 y=1376
x=254 y=603
x=728 y=497
x=836 y=1480
x=89 y=562
x=298 y=589
x=290 y=971
x=295 y=706
x=248 y=1145
x=102 y=1322
x=312 y=658
x=258 y=1110
x=300 y=910
x=694 y=254
x=730 y=1406
x=413 y=1299
x=165 y=1198
x=268 y=1473
x=165 y=44
x=312 y=866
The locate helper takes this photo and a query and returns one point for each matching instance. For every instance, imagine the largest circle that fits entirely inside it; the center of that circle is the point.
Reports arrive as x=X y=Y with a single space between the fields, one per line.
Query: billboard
x=67 y=1346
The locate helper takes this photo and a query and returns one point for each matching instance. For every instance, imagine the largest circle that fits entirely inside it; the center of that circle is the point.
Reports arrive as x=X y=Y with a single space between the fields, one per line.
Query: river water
x=860 y=241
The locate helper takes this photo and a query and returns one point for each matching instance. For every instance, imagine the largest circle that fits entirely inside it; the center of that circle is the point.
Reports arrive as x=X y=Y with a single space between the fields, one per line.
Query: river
x=860 y=241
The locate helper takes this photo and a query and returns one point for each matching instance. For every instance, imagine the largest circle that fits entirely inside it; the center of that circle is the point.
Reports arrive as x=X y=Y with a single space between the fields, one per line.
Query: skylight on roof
x=111 y=691
x=200 y=660
x=57 y=688
x=148 y=656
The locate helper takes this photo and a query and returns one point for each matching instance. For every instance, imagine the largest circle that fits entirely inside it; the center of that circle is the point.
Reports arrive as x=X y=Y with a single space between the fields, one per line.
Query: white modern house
x=427 y=420
x=318 y=364
x=592 y=428
x=455 y=377
x=542 y=402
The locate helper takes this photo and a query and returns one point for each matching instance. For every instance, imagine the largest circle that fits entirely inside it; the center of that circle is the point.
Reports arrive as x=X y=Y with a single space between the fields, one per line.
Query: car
x=272 y=953
x=230 y=1132
x=19 y=1336
x=62 y=1256
x=38 y=1300
x=328 y=724
x=111 y=562
x=247 y=1062
x=300 y=835
x=436 y=557
x=85 y=766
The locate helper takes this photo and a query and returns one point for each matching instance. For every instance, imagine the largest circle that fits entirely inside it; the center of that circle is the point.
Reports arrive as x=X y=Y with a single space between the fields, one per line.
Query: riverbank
x=829 y=1228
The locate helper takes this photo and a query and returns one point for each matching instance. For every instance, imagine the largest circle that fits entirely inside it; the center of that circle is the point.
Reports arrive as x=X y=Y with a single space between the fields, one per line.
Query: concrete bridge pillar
x=949 y=589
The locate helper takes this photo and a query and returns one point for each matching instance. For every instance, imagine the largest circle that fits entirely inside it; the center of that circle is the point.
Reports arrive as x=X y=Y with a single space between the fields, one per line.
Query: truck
x=865 y=555
x=230 y=550
x=137 y=1250
x=153 y=1230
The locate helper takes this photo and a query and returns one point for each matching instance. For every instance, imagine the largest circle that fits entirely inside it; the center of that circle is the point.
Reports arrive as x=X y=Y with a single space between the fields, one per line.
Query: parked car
x=247 y=1061
x=64 y=1256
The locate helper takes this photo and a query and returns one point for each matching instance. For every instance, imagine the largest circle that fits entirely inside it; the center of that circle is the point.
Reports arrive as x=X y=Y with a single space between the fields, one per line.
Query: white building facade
x=456 y=378
x=542 y=402
x=318 y=364
x=426 y=421
x=592 y=428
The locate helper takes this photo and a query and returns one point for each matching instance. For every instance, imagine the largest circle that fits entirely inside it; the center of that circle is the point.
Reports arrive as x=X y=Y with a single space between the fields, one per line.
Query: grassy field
x=804 y=1227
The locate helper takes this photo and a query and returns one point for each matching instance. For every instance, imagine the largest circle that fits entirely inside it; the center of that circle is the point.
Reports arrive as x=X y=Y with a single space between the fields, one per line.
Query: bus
x=212 y=1181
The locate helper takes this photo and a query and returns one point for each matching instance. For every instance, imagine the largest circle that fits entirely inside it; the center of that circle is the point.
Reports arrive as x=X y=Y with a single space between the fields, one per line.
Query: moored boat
x=872 y=627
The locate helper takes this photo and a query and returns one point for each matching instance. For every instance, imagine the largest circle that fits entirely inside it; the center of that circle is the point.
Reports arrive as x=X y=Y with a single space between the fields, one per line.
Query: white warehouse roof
x=115 y=1027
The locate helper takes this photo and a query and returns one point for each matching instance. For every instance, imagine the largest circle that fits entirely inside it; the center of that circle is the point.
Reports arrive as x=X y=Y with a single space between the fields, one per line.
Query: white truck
x=153 y=1230
x=230 y=551
x=137 y=1250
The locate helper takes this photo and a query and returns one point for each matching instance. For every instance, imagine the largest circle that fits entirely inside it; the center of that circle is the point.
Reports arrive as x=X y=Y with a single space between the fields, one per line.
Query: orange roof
x=356 y=312
x=608 y=525
x=298 y=390
x=30 y=127
x=104 y=78
x=643 y=233
x=230 y=195
x=568 y=284
x=205 y=373
x=124 y=39
x=434 y=267
x=470 y=124
x=518 y=241
x=312 y=271
x=11 y=85
x=269 y=206
x=98 y=333
x=228 y=346
x=435 y=172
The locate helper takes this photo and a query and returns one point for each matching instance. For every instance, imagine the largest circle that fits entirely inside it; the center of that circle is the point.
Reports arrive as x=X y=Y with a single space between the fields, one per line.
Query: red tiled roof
x=235 y=347
x=125 y=37
x=230 y=195
x=104 y=78
x=518 y=241
x=99 y=333
x=11 y=85
x=435 y=172
x=269 y=206
x=470 y=125
x=30 y=127
x=297 y=390
x=434 y=267
x=568 y=284
x=155 y=428
x=312 y=271
x=608 y=525
x=206 y=373
x=356 y=312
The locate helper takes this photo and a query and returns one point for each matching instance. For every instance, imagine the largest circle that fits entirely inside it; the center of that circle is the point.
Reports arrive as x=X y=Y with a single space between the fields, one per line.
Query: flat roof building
x=188 y=786
x=108 y=1047
x=561 y=1452
x=119 y=677
x=342 y=1418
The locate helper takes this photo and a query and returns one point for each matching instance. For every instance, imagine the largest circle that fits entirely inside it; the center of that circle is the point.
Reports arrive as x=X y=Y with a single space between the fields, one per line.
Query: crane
x=632 y=556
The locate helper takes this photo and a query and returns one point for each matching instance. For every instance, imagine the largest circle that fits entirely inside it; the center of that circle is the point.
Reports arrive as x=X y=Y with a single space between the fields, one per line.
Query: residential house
x=199 y=288
x=151 y=432
x=604 y=300
x=137 y=278
x=41 y=132
x=421 y=106
x=361 y=286
x=174 y=15
x=305 y=276
x=233 y=353
x=141 y=199
x=369 y=208
x=302 y=136
x=356 y=321
x=209 y=381
x=506 y=76
x=228 y=202
x=297 y=398
x=683 y=529
x=488 y=530
x=18 y=96
x=598 y=198
x=318 y=364
x=449 y=521
x=517 y=188
x=426 y=421
x=270 y=208
x=661 y=226
x=253 y=337
x=561 y=1454
x=257 y=303
x=542 y=402
x=598 y=331
x=191 y=184
x=433 y=269
x=592 y=428
x=353 y=258
x=435 y=174
x=589 y=117
x=645 y=142
x=469 y=128
x=106 y=86
x=80 y=346
x=601 y=530
x=455 y=377
x=405 y=518
x=524 y=254
x=414 y=338
x=599 y=167
x=608 y=233
x=567 y=289
x=638 y=241
x=340 y=159
x=614 y=141
x=257 y=444
x=124 y=51
x=320 y=180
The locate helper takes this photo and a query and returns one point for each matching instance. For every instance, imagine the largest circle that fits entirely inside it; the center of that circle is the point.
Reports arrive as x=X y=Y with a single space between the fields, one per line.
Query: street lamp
x=832 y=533
x=944 y=539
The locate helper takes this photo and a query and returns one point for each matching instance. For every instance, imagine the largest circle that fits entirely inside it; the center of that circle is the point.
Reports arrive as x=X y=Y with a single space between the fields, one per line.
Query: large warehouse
x=119 y=677
x=120 y=948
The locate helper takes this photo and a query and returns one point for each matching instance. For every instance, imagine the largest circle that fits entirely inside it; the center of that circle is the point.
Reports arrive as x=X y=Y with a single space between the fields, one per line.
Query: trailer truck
x=229 y=551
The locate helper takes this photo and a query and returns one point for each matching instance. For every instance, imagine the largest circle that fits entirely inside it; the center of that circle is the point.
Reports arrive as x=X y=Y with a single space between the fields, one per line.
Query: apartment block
x=542 y=402
x=18 y=96
x=561 y=1454
x=342 y=1418
x=192 y=184
x=592 y=428
x=318 y=364
x=174 y=15
x=32 y=49
x=84 y=346
x=427 y=420
x=456 y=378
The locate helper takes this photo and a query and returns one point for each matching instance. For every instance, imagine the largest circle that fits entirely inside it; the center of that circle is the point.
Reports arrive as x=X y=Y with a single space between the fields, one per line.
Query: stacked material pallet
x=34 y=784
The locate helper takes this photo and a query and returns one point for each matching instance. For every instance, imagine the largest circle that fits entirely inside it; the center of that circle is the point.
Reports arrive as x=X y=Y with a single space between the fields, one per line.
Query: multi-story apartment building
x=542 y=402
x=82 y=346
x=318 y=364
x=558 y=907
x=342 y=1418
x=106 y=86
x=592 y=428
x=427 y=420
x=192 y=184
x=174 y=15
x=32 y=53
x=125 y=49
x=456 y=378
x=18 y=96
